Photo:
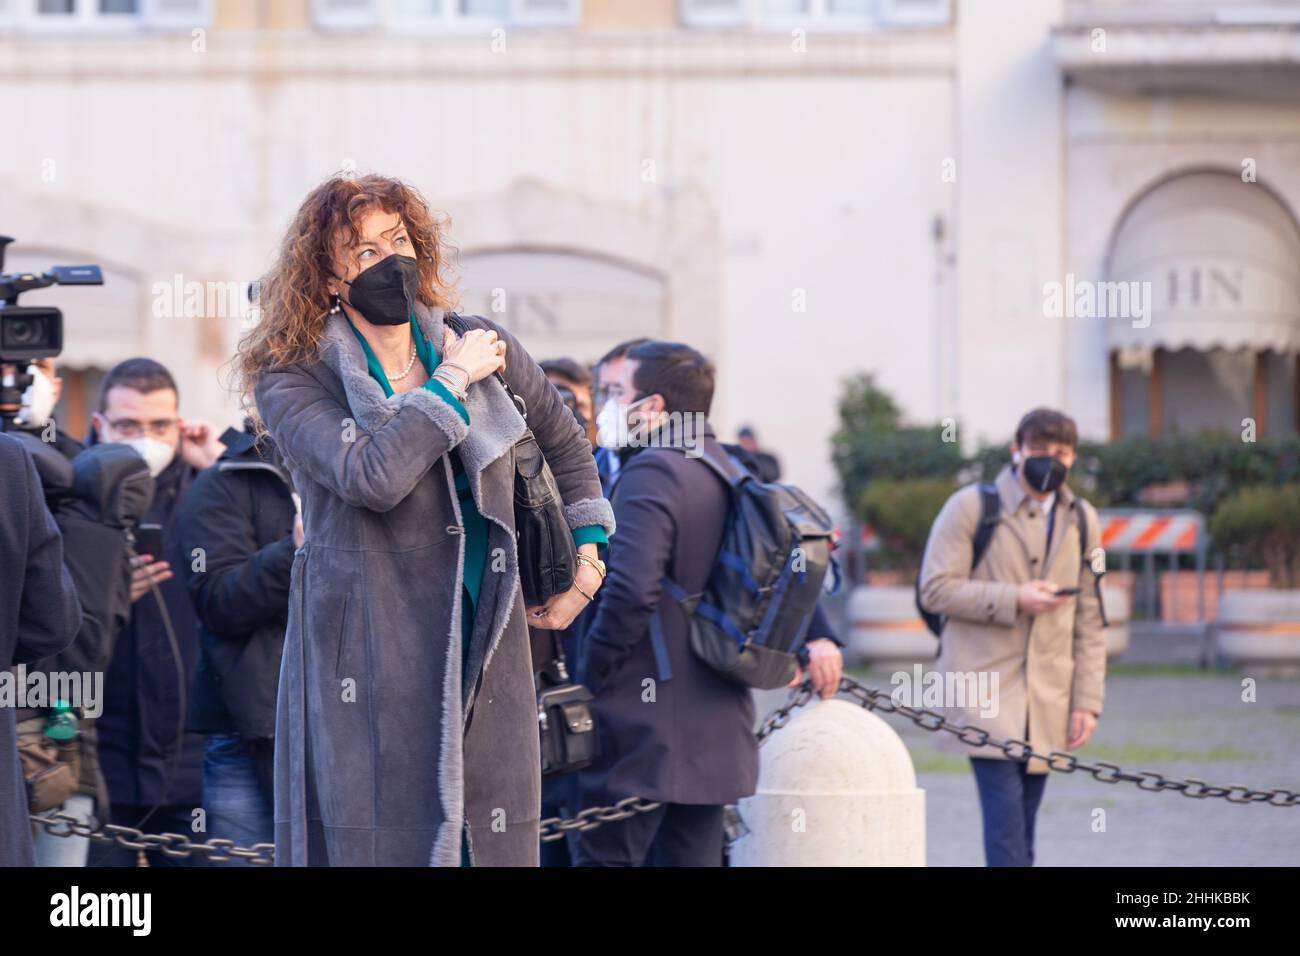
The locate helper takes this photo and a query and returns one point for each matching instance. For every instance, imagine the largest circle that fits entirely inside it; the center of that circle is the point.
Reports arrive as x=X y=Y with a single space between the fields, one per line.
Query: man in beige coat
x=1026 y=622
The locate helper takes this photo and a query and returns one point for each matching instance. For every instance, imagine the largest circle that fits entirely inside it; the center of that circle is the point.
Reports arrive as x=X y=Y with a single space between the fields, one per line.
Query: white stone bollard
x=836 y=787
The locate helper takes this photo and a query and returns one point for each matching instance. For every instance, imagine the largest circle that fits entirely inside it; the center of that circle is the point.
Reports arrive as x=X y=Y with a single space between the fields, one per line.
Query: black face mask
x=385 y=293
x=1044 y=472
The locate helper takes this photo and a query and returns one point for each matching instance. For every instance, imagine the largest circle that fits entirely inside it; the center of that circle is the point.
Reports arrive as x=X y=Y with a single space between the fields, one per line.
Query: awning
x=1205 y=261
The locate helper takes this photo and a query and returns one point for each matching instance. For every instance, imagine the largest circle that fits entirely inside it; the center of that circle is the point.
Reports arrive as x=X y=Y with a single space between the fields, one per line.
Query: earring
x=334 y=303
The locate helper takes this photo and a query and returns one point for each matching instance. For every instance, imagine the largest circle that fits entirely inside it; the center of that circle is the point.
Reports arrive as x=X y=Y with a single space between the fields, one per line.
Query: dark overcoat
x=39 y=617
x=383 y=755
x=690 y=738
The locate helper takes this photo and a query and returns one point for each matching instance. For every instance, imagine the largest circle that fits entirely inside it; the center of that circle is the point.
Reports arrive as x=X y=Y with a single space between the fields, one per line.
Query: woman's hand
x=559 y=612
x=481 y=352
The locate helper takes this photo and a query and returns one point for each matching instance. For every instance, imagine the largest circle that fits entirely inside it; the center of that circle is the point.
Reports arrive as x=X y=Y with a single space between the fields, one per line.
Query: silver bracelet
x=460 y=368
x=460 y=394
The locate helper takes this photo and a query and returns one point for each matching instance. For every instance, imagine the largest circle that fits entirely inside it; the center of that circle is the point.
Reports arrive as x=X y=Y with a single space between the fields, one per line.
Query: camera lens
x=19 y=332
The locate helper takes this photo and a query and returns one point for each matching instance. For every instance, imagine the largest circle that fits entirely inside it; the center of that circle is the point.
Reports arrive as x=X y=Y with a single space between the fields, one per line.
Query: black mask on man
x=1044 y=473
x=385 y=293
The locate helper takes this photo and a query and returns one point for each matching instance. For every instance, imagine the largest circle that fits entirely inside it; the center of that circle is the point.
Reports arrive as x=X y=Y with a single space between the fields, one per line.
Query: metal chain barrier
x=169 y=844
x=554 y=828
x=929 y=720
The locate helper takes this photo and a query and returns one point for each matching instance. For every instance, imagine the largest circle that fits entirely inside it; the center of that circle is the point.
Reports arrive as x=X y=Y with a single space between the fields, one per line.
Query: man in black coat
x=687 y=741
x=151 y=764
x=39 y=617
x=239 y=518
x=97 y=497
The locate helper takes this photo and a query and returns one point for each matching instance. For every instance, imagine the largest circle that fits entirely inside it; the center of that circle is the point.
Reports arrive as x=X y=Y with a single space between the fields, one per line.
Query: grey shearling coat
x=394 y=775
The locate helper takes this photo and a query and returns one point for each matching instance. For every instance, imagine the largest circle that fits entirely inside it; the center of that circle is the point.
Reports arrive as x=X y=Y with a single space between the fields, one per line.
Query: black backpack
x=750 y=620
x=990 y=510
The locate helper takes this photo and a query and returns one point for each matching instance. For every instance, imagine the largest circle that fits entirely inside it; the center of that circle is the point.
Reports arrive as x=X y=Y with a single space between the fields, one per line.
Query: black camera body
x=28 y=333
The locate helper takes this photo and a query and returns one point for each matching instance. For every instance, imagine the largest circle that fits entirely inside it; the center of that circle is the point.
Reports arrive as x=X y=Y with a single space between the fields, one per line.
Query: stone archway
x=573 y=276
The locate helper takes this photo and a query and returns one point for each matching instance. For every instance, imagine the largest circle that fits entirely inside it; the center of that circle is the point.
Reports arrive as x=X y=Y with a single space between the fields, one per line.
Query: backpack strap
x=730 y=474
x=1081 y=518
x=658 y=645
x=990 y=509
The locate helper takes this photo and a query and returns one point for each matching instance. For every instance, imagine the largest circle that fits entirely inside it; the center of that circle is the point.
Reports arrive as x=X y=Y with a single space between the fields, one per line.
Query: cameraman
x=96 y=498
x=39 y=615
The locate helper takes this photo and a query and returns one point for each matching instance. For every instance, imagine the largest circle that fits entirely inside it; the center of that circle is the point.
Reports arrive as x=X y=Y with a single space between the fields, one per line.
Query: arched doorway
x=561 y=302
x=1218 y=260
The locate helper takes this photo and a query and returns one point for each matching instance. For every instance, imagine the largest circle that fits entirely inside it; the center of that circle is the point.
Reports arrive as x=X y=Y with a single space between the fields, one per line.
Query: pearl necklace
x=393 y=377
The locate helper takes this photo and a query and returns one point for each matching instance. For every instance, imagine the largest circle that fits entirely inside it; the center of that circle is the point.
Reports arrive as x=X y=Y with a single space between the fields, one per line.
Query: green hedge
x=873 y=446
x=1263 y=522
x=901 y=513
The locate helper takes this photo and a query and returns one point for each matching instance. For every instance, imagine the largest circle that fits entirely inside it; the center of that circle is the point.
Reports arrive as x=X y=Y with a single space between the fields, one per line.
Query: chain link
x=169 y=844
x=1057 y=761
x=554 y=828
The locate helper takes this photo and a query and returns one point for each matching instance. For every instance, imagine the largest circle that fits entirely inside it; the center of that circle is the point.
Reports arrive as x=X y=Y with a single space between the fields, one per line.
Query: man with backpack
x=1011 y=581
x=674 y=728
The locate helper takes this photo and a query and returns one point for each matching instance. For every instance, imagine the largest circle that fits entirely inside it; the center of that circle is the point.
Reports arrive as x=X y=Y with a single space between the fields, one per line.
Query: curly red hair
x=294 y=296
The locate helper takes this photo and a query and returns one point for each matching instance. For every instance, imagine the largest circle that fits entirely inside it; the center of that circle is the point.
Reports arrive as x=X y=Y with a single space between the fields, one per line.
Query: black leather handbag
x=564 y=715
x=548 y=558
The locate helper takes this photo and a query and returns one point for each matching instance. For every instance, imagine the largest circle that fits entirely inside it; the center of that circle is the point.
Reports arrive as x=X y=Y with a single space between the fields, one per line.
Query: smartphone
x=149 y=540
x=1066 y=592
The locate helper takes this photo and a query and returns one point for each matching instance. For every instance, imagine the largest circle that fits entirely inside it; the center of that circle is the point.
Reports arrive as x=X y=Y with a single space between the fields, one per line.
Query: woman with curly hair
x=406 y=725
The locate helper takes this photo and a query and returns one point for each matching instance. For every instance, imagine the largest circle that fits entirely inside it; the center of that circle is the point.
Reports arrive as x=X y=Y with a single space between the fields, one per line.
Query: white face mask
x=611 y=423
x=38 y=399
x=156 y=454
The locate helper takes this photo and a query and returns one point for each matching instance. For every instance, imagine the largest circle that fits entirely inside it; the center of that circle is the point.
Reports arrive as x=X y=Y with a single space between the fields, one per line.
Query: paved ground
x=1177 y=720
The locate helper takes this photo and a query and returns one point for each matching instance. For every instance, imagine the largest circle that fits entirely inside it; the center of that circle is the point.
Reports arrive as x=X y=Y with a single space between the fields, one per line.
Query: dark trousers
x=1009 y=799
x=559 y=797
x=676 y=834
x=166 y=819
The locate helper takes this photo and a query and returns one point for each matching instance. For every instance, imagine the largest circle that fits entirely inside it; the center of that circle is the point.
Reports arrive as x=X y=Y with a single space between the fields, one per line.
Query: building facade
x=992 y=204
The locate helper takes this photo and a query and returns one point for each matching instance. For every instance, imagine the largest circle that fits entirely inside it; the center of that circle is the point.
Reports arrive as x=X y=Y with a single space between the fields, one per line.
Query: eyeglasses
x=606 y=392
x=130 y=428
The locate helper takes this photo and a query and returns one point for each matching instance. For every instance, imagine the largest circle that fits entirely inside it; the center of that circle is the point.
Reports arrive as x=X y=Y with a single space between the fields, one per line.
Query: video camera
x=30 y=332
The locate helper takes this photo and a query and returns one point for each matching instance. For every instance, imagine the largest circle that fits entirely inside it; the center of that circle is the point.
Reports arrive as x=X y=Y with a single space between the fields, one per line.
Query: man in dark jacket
x=152 y=766
x=39 y=616
x=239 y=525
x=686 y=742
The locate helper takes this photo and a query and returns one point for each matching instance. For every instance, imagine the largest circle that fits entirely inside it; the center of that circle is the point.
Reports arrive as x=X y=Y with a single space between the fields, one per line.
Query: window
x=823 y=14
x=72 y=16
x=444 y=14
